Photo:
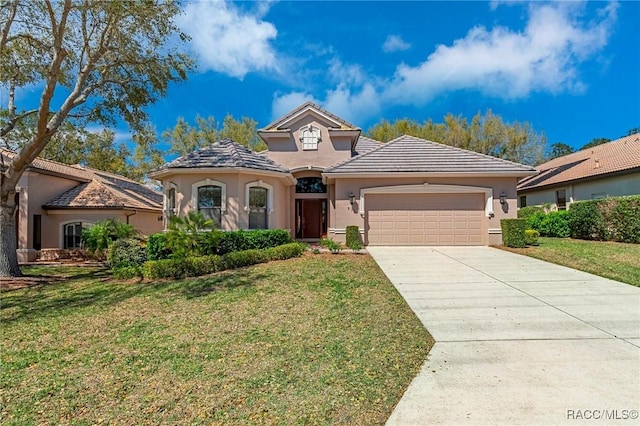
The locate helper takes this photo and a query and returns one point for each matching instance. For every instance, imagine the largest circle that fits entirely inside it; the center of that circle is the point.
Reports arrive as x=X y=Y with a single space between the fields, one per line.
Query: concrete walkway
x=518 y=340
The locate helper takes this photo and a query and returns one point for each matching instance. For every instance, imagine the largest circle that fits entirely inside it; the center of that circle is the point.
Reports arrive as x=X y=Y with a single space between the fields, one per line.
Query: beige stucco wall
x=234 y=216
x=615 y=186
x=289 y=153
x=344 y=214
x=38 y=189
x=53 y=222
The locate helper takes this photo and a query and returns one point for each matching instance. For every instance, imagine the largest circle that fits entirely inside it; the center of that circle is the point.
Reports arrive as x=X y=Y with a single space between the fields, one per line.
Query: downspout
x=129 y=215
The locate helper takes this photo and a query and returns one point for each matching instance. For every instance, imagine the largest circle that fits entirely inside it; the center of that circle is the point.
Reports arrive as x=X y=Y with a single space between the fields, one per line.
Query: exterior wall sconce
x=503 y=197
x=352 y=198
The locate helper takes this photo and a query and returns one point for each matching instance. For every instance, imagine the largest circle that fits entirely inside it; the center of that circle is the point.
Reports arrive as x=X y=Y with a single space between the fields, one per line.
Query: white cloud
x=229 y=40
x=508 y=64
x=544 y=57
x=395 y=43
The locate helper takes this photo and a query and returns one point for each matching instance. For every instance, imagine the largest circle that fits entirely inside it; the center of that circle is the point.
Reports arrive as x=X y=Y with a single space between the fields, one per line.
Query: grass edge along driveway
x=322 y=339
x=616 y=261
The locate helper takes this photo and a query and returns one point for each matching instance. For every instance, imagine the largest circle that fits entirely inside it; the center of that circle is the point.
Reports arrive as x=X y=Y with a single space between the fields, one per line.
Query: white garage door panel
x=425 y=219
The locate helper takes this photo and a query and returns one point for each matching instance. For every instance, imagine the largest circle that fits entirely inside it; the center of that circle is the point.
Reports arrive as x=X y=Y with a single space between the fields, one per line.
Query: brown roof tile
x=96 y=189
x=618 y=156
x=408 y=154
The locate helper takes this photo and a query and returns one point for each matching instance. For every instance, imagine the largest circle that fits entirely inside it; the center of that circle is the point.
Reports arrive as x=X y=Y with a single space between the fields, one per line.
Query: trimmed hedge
x=609 y=219
x=353 y=238
x=202 y=265
x=241 y=240
x=513 y=232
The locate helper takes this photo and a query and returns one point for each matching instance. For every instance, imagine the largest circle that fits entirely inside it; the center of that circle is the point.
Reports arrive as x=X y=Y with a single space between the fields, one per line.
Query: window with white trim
x=210 y=203
x=258 y=204
x=73 y=235
x=310 y=136
x=258 y=217
x=171 y=203
x=209 y=197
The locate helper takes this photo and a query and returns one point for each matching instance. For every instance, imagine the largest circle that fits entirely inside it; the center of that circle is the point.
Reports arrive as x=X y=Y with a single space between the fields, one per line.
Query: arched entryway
x=311 y=209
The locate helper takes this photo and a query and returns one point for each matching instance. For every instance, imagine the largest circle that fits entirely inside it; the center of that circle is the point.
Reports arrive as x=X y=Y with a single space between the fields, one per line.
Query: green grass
x=322 y=339
x=618 y=261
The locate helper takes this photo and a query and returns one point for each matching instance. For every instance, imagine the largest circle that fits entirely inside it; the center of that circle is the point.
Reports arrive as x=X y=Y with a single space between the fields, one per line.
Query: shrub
x=99 y=237
x=531 y=237
x=126 y=252
x=513 y=232
x=157 y=247
x=333 y=246
x=624 y=219
x=353 y=238
x=183 y=237
x=286 y=251
x=535 y=219
x=238 y=259
x=231 y=241
x=164 y=268
x=585 y=221
x=202 y=265
x=555 y=224
x=526 y=212
x=127 y=272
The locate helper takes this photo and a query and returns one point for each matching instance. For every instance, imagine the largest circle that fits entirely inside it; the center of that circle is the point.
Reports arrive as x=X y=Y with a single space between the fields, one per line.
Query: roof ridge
x=306 y=105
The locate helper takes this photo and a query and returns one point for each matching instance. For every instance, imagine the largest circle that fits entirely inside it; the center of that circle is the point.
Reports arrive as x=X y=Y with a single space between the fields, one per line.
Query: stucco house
x=320 y=175
x=607 y=170
x=56 y=201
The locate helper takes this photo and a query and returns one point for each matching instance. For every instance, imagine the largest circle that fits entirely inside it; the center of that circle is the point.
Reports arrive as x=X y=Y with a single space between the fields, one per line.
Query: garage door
x=425 y=219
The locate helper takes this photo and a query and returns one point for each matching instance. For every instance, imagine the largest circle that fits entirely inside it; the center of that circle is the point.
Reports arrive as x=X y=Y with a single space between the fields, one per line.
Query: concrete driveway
x=518 y=340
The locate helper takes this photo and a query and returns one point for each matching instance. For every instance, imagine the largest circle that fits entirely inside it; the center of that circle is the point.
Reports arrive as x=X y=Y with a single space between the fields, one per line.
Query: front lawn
x=321 y=339
x=618 y=261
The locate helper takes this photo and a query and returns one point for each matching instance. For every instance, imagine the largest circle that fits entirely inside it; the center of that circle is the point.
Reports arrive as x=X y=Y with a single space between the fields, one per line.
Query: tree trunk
x=8 y=255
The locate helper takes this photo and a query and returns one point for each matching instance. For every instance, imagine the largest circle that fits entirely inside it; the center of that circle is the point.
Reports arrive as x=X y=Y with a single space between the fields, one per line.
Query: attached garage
x=425 y=219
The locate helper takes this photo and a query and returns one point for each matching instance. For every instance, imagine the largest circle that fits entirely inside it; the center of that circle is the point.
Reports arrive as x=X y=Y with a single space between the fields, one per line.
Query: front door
x=311 y=219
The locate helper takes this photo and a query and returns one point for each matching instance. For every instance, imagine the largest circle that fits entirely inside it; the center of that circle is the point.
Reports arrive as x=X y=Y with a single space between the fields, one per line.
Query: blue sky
x=571 y=69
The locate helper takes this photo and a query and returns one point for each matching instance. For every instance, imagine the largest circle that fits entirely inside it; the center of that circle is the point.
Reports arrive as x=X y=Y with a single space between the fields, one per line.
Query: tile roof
x=224 y=153
x=96 y=189
x=365 y=145
x=612 y=157
x=411 y=154
x=275 y=125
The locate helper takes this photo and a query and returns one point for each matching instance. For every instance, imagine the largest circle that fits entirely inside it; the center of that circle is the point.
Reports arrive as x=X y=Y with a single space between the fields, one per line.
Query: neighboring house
x=607 y=170
x=56 y=201
x=320 y=175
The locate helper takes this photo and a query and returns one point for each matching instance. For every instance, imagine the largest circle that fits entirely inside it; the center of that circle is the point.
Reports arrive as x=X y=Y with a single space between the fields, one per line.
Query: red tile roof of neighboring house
x=619 y=156
x=96 y=189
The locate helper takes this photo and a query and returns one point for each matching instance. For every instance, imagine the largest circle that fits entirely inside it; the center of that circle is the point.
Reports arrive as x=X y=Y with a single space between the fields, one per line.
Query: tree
x=595 y=142
x=559 y=149
x=103 y=59
x=487 y=133
x=633 y=131
x=185 y=138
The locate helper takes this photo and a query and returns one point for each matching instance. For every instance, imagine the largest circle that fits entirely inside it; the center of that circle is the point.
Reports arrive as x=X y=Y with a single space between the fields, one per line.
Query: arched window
x=72 y=234
x=210 y=202
x=310 y=136
x=258 y=208
x=311 y=185
x=209 y=198
x=171 y=203
x=259 y=204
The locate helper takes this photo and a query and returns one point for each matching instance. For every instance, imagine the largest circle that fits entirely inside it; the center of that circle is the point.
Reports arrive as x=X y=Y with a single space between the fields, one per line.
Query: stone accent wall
x=48 y=255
